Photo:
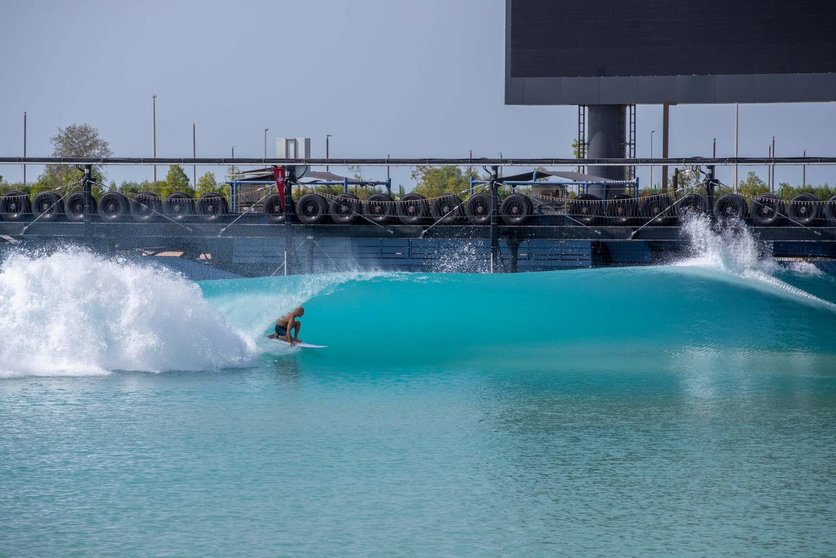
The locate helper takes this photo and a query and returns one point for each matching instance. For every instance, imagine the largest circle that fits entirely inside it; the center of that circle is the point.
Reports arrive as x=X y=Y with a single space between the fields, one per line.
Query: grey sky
x=405 y=78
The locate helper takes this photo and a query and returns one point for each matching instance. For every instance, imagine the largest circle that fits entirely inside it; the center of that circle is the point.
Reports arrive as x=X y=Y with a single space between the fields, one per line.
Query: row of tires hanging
x=112 y=206
x=415 y=209
x=411 y=209
x=763 y=210
x=587 y=209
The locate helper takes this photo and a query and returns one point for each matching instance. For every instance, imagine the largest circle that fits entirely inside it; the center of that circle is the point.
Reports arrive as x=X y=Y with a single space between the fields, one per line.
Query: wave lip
x=733 y=254
x=76 y=313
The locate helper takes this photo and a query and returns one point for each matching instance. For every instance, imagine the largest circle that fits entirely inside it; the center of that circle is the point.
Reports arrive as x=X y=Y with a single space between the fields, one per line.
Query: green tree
x=437 y=181
x=130 y=188
x=787 y=192
x=77 y=140
x=208 y=183
x=752 y=186
x=176 y=178
x=232 y=172
x=576 y=149
x=685 y=179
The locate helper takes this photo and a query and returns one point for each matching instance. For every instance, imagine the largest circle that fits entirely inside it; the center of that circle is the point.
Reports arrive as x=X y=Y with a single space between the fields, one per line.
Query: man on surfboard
x=288 y=324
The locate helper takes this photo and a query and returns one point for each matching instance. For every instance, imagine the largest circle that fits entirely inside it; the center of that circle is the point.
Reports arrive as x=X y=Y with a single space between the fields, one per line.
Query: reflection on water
x=695 y=452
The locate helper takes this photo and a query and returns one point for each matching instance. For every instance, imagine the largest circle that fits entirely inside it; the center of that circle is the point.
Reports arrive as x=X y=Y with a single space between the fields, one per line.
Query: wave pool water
x=685 y=409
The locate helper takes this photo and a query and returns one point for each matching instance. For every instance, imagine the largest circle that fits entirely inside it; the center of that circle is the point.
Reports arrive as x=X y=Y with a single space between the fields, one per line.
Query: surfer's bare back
x=288 y=324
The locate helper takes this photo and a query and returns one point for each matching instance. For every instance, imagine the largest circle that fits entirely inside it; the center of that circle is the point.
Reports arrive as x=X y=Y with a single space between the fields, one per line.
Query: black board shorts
x=281 y=331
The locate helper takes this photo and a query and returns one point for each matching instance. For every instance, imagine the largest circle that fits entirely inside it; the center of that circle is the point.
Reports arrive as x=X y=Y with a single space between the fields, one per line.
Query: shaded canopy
x=565 y=175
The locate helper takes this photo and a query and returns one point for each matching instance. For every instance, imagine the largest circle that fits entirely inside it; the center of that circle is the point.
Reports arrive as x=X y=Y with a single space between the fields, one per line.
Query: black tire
x=311 y=209
x=379 y=208
x=586 y=209
x=620 y=209
x=146 y=207
x=803 y=208
x=345 y=208
x=48 y=206
x=830 y=211
x=730 y=206
x=691 y=203
x=273 y=211
x=658 y=209
x=412 y=208
x=478 y=209
x=113 y=207
x=211 y=206
x=74 y=206
x=446 y=209
x=516 y=209
x=15 y=206
x=767 y=209
x=179 y=206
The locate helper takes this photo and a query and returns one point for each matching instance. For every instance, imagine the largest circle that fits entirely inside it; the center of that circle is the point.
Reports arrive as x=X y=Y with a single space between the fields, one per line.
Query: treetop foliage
x=76 y=140
x=438 y=181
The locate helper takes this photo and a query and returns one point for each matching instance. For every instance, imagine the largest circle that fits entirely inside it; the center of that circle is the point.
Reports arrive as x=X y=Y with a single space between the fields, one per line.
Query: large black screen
x=669 y=51
x=572 y=38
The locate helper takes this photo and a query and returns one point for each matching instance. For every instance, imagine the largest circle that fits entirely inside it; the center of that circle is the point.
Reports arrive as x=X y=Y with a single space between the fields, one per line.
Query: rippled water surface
x=667 y=411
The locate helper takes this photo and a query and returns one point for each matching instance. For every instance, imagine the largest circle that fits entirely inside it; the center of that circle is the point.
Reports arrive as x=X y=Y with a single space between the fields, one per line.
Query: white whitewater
x=76 y=313
x=731 y=253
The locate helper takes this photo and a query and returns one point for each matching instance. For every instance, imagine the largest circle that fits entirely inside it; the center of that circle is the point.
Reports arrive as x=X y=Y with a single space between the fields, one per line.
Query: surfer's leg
x=297 y=325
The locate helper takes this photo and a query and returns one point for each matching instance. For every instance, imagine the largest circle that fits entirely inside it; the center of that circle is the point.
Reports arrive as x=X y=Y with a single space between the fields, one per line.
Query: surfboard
x=300 y=345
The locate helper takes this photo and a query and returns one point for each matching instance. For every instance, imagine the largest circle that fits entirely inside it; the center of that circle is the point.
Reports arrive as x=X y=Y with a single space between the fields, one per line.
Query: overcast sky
x=406 y=78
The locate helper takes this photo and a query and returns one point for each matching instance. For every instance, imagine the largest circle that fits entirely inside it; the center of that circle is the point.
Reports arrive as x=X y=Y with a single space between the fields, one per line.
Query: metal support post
x=666 y=119
x=514 y=248
x=86 y=182
x=710 y=182
x=290 y=180
x=494 y=214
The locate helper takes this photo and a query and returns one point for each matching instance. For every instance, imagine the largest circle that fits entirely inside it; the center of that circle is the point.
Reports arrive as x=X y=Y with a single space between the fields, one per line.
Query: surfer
x=288 y=324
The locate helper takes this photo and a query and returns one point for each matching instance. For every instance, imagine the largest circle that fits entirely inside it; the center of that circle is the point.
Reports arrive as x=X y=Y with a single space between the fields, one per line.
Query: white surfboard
x=300 y=345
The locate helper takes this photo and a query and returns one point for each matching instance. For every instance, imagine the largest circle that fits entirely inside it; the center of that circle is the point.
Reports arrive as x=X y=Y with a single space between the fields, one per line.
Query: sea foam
x=730 y=252
x=76 y=313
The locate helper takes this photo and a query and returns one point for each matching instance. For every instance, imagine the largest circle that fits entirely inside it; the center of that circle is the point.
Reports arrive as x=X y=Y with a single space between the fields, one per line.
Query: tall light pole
x=387 y=167
x=470 y=160
x=803 y=170
x=736 y=140
x=24 y=148
x=714 y=149
x=651 y=156
x=194 y=154
x=265 y=142
x=772 y=170
x=154 y=120
x=233 y=151
x=327 y=150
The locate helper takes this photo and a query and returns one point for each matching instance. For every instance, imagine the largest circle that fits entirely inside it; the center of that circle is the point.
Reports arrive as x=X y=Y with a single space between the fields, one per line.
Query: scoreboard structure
x=609 y=55
x=619 y=52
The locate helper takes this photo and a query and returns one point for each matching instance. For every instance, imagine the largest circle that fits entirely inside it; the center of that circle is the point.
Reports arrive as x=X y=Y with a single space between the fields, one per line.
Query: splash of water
x=76 y=313
x=731 y=252
x=252 y=306
x=462 y=257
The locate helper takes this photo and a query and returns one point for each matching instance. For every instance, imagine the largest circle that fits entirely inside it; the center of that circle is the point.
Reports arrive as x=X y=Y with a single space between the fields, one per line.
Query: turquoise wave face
x=629 y=317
